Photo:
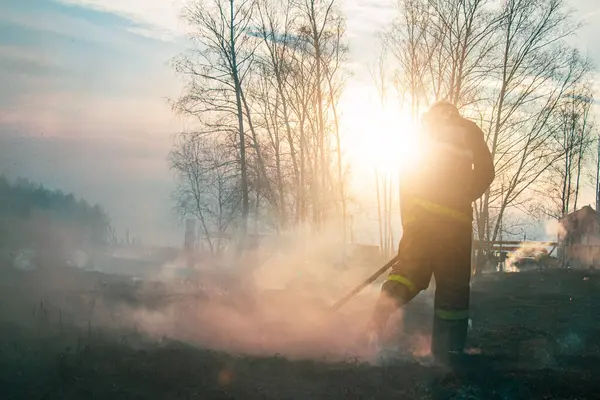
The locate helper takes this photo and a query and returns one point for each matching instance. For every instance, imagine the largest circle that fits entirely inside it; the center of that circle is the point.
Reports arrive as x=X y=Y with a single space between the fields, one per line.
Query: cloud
x=95 y=28
x=157 y=19
x=368 y=17
x=74 y=114
x=23 y=54
x=151 y=33
x=25 y=69
x=365 y=19
x=162 y=16
x=58 y=23
x=64 y=72
x=591 y=14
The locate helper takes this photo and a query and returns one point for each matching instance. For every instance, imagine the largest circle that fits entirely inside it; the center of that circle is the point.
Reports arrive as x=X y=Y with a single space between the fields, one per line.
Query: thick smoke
x=275 y=301
x=554 y=230
x=280 y=305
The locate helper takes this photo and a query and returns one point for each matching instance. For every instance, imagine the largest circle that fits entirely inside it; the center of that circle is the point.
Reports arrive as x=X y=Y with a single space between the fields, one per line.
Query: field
x=535 y=335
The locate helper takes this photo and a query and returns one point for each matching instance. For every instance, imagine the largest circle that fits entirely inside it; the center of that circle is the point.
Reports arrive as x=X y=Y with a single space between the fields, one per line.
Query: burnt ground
x=535 y=335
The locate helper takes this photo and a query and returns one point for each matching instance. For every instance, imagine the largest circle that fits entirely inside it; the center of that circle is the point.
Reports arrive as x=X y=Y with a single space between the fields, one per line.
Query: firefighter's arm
x=483 y=165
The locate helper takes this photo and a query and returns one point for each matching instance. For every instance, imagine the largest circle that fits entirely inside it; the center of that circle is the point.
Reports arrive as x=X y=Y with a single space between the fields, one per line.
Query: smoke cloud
x=276 y=301
x=555 y=229
x=280 y=305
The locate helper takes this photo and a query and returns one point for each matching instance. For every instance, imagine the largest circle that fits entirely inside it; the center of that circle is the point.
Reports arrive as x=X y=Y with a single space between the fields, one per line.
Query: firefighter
x=455 y=169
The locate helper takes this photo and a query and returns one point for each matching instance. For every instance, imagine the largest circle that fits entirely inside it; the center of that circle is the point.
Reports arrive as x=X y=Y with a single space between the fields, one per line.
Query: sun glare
x=381 y=139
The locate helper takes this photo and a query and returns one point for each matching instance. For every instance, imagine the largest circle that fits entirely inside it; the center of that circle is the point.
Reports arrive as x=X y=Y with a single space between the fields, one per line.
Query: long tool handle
x=367 y=282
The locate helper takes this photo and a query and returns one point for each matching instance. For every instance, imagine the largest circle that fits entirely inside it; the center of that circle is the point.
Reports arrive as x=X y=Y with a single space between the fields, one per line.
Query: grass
x=536 y=333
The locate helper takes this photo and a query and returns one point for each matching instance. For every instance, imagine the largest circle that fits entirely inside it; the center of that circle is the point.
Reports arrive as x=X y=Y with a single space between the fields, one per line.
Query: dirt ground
x=535 y=335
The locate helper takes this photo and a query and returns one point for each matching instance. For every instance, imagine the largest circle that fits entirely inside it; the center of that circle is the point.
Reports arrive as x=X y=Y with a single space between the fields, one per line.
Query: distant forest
x=50 y=222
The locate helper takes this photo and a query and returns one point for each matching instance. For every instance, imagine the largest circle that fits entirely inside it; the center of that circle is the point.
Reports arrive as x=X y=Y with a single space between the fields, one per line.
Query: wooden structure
x=498 y=252
x=580 y=238
x=509 y=246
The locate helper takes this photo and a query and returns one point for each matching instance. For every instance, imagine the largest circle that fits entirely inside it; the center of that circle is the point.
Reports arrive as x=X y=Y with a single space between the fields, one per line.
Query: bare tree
x=573 y=140
x=275 y=24
x=266 y=76
x=301 y=59
x=443 y=49
x=508 y=65
x=385 y=184
x=215 y=70
x=209 y=185
x=537 y=69
x=597 y=180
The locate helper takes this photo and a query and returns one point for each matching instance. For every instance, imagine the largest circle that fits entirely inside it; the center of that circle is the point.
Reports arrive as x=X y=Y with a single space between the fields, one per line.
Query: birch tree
x=214 y=69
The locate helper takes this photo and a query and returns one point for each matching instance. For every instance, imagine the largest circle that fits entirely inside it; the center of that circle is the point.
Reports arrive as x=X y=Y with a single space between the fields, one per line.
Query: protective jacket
x=456 y=168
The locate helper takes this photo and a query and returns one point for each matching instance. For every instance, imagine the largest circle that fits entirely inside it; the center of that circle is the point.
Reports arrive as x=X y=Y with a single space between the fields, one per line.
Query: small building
x=579 y=239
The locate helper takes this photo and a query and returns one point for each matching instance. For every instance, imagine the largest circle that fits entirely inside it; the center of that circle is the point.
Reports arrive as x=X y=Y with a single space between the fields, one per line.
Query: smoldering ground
x=277 y=301
x=84 y=334
x=279 y=304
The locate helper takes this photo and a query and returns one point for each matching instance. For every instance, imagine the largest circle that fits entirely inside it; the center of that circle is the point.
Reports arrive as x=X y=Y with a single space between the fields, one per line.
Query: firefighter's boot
x=393 y=297
x=449 y=339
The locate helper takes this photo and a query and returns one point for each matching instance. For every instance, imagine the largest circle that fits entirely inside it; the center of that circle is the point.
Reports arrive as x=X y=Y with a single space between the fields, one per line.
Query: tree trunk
x=379 y=216
x=598 y=174
x=242 y=138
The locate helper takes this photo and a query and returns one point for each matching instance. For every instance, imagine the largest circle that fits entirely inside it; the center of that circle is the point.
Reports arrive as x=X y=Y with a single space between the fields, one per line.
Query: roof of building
x=582 y=213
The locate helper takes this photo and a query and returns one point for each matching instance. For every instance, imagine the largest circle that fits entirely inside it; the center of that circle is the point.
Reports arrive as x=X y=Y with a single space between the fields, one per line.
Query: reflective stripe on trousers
x=451 y=315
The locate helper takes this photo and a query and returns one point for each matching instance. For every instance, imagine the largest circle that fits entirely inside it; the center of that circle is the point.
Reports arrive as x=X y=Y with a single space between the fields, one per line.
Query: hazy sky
x=83 y=97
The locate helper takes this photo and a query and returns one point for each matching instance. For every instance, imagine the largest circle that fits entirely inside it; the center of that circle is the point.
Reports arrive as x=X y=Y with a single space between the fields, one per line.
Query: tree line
x=262 y=84
x=48 y=221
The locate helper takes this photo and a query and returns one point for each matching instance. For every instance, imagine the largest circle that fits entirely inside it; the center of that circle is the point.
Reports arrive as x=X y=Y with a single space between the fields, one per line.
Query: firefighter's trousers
x=441 y=248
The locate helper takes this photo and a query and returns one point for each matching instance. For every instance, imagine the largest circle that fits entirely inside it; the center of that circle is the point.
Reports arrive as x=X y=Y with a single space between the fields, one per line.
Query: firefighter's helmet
x=441 y=110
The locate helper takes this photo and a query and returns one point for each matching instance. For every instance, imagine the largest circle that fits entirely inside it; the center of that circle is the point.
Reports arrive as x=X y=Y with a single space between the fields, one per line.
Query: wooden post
x=189 y=245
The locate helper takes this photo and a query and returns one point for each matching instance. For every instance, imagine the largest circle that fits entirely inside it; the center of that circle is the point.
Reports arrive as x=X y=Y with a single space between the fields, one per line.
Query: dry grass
x=535 y=335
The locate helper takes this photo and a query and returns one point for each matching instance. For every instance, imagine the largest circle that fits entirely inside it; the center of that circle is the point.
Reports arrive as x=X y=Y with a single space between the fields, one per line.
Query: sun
x=393 y=145
x=380 y=138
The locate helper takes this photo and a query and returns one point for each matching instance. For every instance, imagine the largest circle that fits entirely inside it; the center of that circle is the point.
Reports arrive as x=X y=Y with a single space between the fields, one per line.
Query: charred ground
x=534 y=336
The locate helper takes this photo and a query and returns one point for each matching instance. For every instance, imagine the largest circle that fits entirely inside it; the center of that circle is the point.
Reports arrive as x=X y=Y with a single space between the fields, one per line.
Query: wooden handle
x=364 y=284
